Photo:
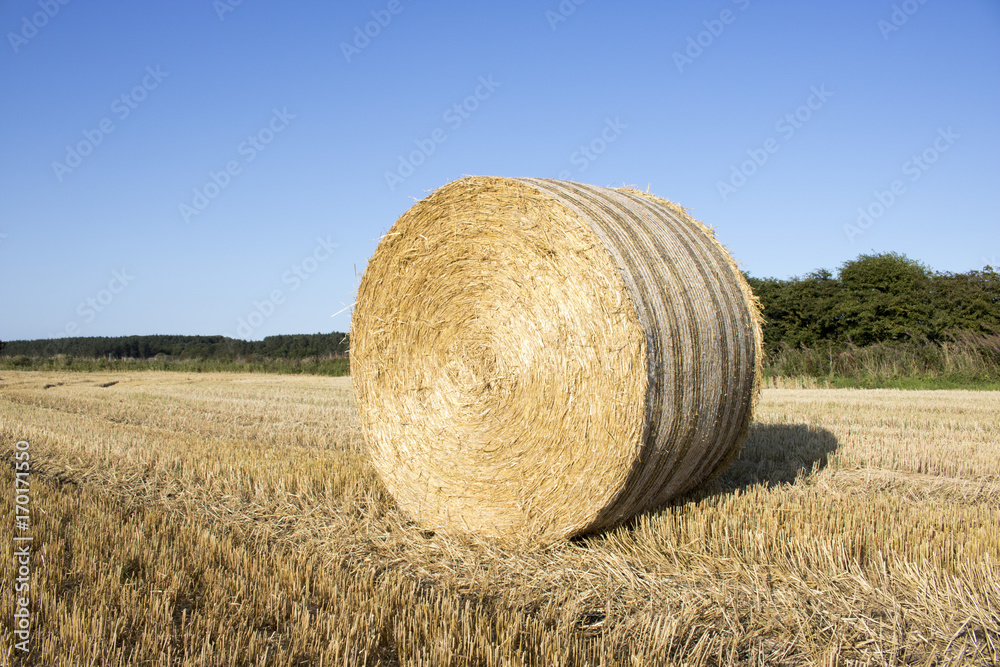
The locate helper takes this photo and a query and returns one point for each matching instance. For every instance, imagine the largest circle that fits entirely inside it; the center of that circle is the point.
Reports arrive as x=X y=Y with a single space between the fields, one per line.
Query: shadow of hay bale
x=776 y=454
x=772 y=454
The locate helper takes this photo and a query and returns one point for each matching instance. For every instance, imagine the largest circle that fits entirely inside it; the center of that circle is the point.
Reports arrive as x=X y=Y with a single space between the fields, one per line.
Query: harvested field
x=235 y=520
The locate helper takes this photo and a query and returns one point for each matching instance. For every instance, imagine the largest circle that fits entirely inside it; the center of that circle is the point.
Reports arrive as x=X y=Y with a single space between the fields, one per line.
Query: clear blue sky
x=104 y=234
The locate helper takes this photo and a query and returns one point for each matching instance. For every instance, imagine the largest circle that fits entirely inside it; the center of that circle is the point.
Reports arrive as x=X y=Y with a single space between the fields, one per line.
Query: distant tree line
x=882 y=316
x=877 y=299
x=222 y=348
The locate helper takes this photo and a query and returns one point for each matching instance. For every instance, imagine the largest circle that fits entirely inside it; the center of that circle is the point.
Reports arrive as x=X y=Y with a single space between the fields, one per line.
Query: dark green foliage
x=797 y=312
x=218 y=348
x=333 y=366
x=314 y=354
x=884 y=298
x=884 y=320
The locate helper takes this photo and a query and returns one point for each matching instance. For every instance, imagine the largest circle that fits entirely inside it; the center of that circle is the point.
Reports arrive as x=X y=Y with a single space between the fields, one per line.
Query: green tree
x=883 y=297
x=799 y=311
x=966 y=302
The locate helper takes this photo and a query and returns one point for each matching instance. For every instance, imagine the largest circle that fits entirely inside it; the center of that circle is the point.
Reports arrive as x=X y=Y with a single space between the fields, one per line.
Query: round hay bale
x=541 y=358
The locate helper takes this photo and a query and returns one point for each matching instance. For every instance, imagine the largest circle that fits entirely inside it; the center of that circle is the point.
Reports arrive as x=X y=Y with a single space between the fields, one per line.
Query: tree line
x=877 y=299
x=220 y=348
x=881 y=316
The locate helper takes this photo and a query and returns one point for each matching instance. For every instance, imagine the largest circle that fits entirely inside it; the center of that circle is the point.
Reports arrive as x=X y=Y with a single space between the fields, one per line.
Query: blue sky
x=201 y=167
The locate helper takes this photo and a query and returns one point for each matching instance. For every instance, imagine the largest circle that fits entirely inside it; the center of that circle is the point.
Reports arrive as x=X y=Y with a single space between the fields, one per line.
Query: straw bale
x=538 y=358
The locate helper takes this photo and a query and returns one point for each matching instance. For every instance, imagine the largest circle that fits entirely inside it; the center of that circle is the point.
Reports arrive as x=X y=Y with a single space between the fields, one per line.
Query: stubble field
x=232 y=519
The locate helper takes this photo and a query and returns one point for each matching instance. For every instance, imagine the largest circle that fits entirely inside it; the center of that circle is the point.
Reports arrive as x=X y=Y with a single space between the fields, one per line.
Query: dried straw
x=541 y=358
